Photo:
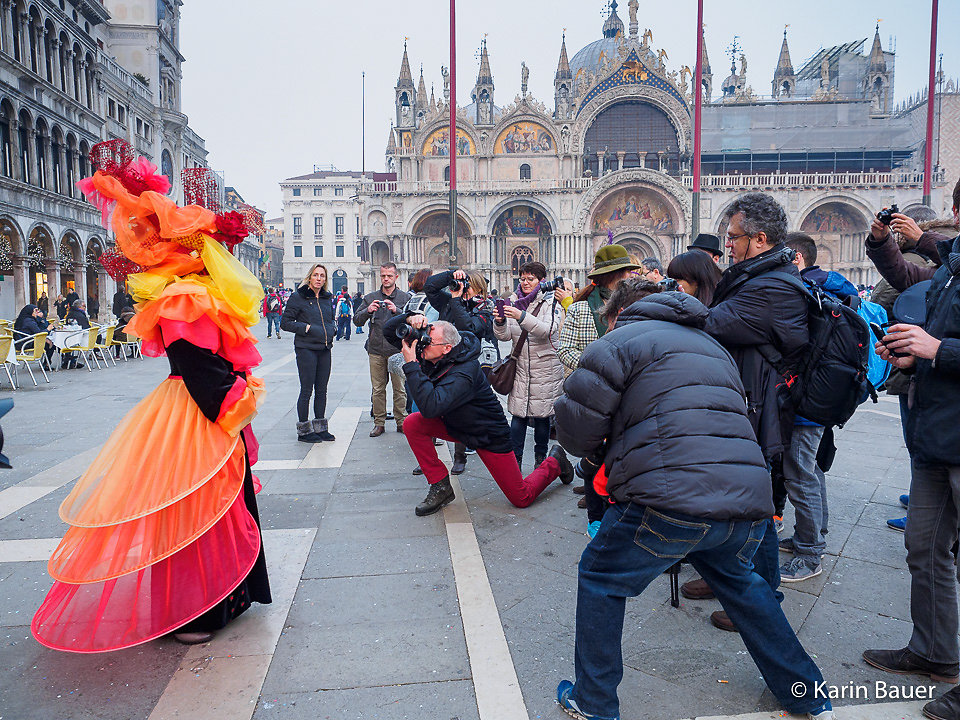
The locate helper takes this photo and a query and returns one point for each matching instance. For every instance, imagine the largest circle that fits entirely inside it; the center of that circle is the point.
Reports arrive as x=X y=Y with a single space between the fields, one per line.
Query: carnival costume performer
x=164 y=532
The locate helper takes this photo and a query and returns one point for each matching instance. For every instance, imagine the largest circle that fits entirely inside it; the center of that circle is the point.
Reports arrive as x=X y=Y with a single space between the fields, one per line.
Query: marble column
x=21 y=280
x=5 y=31
x=52 y=268
x=620 y=156
x=643 y=159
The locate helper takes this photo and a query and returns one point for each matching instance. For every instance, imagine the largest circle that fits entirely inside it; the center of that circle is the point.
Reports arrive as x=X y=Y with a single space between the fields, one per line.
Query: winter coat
x=27 y=325
x=455 y=390
x=934 y=410
x=79 y=317
x=668 y=400
x=923 y=253
x=539 y=376
x=44 y=304
x=306 y=308
x=898 y=270
x=752 y=309
x=375 y=344
x=265 y=309
x=463 y=315
x=121 y=299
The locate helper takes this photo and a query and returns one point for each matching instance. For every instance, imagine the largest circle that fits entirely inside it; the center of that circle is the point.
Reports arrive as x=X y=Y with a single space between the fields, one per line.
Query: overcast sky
x=274 y=88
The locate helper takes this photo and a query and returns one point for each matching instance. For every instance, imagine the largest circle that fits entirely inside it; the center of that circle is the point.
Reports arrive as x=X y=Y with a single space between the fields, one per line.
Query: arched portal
x=338 y=281
x=839 y=229
x=635 y=215
x=44 y=273
x=379 y=254
x=434 y=228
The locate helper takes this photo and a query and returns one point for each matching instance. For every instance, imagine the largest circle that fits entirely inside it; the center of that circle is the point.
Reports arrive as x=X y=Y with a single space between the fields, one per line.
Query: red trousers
x=520 y=491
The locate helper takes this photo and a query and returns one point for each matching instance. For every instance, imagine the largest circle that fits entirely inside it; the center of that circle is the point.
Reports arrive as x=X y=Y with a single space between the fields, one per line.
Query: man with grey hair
x=457 y=404
x=652 y=269
x=758 y=316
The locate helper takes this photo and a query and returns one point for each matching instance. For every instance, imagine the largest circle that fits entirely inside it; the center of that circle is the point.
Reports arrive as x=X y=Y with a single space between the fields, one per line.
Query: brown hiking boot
x=696 y=590
x=721 y=620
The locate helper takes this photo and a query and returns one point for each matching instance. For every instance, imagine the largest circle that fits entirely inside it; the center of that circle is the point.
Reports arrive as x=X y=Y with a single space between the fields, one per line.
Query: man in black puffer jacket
x=686 y=479
x=755 y=311
x=457 y=404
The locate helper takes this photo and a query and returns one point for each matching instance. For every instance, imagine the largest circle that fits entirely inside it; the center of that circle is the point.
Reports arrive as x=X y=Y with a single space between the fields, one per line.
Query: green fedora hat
x=611 y=258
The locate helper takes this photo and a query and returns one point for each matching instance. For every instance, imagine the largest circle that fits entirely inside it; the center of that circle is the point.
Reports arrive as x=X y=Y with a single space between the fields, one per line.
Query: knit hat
x=611 y=258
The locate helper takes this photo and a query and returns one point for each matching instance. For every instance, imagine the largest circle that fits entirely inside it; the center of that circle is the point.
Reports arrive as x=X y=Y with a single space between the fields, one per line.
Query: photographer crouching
x=457 y=404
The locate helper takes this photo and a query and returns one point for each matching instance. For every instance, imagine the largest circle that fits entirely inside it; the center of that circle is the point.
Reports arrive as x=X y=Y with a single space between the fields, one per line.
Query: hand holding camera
x=374 y=306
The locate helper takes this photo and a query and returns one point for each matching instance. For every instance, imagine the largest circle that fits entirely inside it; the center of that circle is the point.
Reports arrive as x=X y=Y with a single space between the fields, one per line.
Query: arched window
x=520 y=257
x=24 y=138
x=6 y=148
x=41 y=142
x=84 y=159
x=524 y=172
x=446 y=174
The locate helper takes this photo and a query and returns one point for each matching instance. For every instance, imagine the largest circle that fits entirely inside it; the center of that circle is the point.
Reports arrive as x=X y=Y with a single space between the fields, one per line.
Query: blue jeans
x=343 y=326
x=541 y=435
x=634 y=545
x=807 y=490
x=273 y=319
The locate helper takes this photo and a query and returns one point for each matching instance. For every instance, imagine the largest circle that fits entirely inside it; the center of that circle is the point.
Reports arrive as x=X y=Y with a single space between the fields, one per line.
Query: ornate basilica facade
x=612 y=159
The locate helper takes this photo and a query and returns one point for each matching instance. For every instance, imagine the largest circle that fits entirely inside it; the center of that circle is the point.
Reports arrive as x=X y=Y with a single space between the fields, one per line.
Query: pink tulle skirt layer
x=160 y=531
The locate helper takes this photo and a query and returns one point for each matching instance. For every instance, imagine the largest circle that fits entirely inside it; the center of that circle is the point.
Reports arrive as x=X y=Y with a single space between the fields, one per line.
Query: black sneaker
x=440 y=494
x=904 y=662
x=945 y=707
x=566 y=468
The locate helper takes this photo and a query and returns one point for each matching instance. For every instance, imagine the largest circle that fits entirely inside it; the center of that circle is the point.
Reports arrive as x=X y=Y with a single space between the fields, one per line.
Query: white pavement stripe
x=876 y=711
x=222 y=679
x=880 y=412
x=343 y=425
x=265 y=370
x=33 y=550
x=495 y=682
x=44 y=482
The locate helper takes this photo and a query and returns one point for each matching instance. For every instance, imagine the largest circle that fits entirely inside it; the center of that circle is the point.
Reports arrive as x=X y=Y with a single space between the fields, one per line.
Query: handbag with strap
x=504 y=373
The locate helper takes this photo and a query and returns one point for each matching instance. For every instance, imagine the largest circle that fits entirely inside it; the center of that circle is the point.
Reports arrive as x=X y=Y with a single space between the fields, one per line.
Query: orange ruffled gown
x=162 y=524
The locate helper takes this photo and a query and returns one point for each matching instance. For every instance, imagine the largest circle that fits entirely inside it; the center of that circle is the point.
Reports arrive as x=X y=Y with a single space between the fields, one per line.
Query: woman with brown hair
x=696 y=274
x=309 y=316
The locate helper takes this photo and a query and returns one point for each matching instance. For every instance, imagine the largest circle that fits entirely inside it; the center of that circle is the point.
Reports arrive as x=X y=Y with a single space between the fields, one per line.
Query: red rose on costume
x=231 y=229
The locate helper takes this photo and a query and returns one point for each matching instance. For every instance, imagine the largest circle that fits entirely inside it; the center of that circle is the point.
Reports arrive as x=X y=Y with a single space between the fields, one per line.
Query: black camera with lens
x=669 y=285
x=457 y=285
x=886 y=215
x=551 y=285
x=411 y=335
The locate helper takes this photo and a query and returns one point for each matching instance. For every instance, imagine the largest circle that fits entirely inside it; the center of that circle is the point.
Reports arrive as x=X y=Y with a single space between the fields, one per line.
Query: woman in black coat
x=44 y=304
x=309 y=316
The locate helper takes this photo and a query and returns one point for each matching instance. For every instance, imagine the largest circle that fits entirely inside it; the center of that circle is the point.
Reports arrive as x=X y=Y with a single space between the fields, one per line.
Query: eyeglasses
x=737 y=237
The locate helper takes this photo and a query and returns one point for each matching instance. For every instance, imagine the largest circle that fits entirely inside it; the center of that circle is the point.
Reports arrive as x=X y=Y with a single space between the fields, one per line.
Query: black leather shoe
x=904 y=662
x=440 y=494
x=458 y=467
x=566 y=468
x=945 y=707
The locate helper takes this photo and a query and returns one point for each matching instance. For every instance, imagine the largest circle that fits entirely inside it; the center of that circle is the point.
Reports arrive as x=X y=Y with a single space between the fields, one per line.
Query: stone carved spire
x=784 y=79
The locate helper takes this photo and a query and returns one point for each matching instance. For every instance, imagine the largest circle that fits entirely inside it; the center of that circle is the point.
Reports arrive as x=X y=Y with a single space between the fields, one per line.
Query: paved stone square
x=466 y=614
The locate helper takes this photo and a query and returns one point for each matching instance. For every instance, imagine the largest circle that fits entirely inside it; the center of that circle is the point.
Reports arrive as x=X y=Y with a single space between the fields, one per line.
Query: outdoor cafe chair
x=34 y=354
x=104 y=347
x=88 y=348
x=6 y=347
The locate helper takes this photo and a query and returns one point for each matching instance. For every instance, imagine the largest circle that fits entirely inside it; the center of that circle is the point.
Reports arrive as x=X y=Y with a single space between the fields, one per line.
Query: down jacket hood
x=675 y=307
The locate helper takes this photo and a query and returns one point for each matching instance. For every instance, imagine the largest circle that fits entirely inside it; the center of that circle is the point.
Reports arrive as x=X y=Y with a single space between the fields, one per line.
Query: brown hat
x=611 y=258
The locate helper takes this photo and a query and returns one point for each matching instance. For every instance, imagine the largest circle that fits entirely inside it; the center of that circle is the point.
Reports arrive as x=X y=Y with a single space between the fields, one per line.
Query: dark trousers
x=634 y=546
x=313 y=367
x=343 y=326
x=541 y=435
x=273 y=319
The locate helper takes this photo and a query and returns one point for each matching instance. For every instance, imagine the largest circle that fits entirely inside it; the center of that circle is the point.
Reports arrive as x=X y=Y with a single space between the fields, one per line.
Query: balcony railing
x=707 y=182
x=114 y=68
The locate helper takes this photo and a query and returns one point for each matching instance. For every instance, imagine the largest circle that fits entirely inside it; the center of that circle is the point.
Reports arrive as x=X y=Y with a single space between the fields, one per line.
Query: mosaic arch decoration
x=633 y=208
x=438 y=143
x=523 y=220
x=633 y=72
x=833 y=218
x=524 y=137
x=437 y=224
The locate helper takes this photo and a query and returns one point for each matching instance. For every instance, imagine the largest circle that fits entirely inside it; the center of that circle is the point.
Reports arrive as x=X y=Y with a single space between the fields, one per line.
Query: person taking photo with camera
x=457 y=404
x=460 y=298
x=532 y=323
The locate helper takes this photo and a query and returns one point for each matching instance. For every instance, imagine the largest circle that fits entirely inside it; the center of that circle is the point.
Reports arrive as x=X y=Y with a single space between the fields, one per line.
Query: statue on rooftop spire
x=524 y=78
x=634 y=6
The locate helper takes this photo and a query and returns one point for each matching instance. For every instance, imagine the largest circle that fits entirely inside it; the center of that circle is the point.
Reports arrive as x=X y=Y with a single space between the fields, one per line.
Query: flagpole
x=363 y=122
x=928 y=148
x=697 y=114
x=452 y=144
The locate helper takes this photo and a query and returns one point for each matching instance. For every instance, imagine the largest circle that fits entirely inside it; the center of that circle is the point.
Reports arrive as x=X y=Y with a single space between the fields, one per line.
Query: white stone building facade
x=73 y=73
x=321 y=224
x=613 y=159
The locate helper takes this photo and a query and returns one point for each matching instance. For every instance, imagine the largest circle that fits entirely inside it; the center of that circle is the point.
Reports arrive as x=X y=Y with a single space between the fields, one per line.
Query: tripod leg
x=675 y=585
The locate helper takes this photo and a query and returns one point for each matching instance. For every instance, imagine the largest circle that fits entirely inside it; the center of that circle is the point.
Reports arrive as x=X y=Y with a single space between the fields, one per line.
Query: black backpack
x=830 y=380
